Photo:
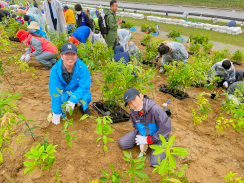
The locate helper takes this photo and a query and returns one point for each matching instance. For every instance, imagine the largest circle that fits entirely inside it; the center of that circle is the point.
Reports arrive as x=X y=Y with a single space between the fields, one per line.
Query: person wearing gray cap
x=71 y=76
x=148 y=120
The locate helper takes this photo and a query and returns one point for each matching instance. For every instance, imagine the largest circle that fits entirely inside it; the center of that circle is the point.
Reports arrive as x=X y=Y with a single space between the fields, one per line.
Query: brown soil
x=210 y=157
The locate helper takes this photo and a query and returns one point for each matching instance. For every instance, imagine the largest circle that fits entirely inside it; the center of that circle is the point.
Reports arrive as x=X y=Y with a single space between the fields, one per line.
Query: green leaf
x=103 y=178
x=28 y=163
x=127 y=155
x=140 y=166
x=105 y=173
x=84 y=117
x=171 y=140
x=180 y=174
x=22 y=116
x=60 y=91
x=172 y=161
x=105 y=140
x=105 y=148
x=56 y=95
x=140 y=174
x=173 y=180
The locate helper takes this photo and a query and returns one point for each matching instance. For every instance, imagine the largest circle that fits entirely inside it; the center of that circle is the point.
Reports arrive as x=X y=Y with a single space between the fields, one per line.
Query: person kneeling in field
x=234 y=95
x=43 y=50
x=171 y=51
x=71 y=76
x=81 y=34
x=148 y=120
x=225 y=70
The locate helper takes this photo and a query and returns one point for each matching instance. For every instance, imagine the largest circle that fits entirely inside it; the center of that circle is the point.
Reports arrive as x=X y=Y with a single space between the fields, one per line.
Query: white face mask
x=78 y=12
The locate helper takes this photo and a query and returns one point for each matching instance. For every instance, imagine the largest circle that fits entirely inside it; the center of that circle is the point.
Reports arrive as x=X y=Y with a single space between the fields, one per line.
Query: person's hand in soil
x=56 y=118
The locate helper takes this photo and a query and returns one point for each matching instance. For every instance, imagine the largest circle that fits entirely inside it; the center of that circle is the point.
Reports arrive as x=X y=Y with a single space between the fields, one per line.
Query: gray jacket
x=234 y=86
x=152 y=114
x=218 y=70
x=239 y=75
x=37 y=45
x=178 y=53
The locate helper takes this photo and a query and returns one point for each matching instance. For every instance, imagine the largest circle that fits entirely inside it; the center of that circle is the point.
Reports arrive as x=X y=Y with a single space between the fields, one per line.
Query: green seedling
x=237 y=56
x=232 y=178
x=174 y=34
x=57 y=177
x=42 y=157
x=114 y=177
x=203 y=108
x=167 y=167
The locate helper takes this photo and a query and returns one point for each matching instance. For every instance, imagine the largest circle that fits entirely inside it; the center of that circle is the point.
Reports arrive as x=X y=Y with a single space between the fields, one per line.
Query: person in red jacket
x=43 y=50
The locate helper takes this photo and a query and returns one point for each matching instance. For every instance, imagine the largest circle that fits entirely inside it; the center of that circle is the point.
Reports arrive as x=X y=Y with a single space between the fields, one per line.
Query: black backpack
x=103 y=24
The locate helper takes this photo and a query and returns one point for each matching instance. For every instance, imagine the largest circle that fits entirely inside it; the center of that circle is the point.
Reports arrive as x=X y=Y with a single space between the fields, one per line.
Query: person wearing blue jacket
x=71 y=76
x=81 y=34
x=120 y=53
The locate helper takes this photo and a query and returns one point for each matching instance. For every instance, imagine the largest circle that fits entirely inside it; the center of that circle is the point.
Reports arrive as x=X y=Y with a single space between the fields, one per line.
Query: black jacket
x=87 y=21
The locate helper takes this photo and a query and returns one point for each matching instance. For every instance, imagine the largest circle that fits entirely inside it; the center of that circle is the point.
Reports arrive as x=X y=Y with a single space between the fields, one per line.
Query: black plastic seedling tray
x=179 y=94
x=116 y=113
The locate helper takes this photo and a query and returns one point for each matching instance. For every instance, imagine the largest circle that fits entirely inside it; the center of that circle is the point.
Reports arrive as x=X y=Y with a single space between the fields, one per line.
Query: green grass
x=237 y=40
x=236 y=4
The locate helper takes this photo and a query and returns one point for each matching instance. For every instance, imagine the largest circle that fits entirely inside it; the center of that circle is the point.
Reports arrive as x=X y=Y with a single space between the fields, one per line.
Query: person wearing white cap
x=35 y=28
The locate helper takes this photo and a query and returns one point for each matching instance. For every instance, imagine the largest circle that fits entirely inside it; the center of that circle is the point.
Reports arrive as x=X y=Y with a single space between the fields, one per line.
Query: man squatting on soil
x=71 y=75
x=149 y=120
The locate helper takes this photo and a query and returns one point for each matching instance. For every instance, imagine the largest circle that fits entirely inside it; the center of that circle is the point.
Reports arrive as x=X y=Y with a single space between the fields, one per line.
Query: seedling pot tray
x=116 y=113
x=198 y=85
x=179 y=94
x=14 y=39
x=236 y=63
x=148 y=63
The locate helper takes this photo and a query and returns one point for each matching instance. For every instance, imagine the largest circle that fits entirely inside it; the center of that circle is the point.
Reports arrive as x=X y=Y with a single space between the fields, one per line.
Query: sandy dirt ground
x=211 y=157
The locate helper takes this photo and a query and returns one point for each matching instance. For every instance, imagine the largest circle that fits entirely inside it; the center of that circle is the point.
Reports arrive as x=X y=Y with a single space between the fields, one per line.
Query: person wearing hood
x=71 y=76
x=93 y=15
x=123 y=36
x=43 y=50
x=35 y=28
x=4 y=13
x=54 y=16
x=234 y=95
x=81 y=34
x=34 y=14
x=82 y=19
x=239 y=74
x=112 y=24
x=134 y=50
x=171 y=51
x=120 y=53
x=149 y=120
x=225 y=70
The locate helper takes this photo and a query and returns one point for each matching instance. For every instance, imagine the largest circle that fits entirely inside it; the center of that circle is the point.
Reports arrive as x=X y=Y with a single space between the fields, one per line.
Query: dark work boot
x=87 y=111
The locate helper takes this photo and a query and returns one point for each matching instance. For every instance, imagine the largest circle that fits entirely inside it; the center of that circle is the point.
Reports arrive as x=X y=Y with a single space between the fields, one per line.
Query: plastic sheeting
x=4 y=4
x=36 y=14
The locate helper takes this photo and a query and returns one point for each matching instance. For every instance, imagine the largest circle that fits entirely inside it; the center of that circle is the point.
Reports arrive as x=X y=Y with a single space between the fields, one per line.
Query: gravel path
x=217 y=45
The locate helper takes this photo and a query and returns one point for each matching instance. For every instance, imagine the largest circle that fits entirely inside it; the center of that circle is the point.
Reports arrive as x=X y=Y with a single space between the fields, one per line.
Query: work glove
x=48 y=27
x=22 y=57
x=56 y=118
x=27 y=58
x=69 y=106
x=141 y=140
x=225 y=84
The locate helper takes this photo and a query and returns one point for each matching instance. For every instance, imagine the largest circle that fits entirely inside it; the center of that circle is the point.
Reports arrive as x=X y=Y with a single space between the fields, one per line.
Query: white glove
x=140 y=140
x=225 y=84
x=22 y=57
x=27 y=58
x=56 y=118
x=69 y=106
x=48 y=27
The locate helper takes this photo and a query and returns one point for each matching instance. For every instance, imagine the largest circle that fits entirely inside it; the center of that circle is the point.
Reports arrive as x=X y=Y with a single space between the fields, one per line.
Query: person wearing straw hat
x=149 y=120
x=35 y=28
x=43 y=50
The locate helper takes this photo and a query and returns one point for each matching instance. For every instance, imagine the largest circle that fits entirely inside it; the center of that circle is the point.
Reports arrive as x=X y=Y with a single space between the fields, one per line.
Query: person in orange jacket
x=43 y=50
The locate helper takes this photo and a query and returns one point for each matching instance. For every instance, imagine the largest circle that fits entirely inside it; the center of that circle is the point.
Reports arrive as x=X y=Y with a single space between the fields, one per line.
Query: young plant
x=232 y=178
x=174 y=34
x=136 y=166
x=167 y=167
x=195 y=47
x=57 y=177
x=217 y=56
x=58 y=39
x=207 y=47
x=127 y=25
x=146 y=39
x=114 y=177
x=203 y=108
x=29 y=129
x=103 y=129
x=237 y=56
x=43 y=157
x=152 y=49
x=199 y=39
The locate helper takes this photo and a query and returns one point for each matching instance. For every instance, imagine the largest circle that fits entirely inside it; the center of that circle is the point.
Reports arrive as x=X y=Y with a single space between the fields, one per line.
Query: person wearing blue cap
x=148 y=120
x=72 y=77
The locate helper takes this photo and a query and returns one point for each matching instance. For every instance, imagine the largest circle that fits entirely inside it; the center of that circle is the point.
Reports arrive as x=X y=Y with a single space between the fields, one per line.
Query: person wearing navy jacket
x=119 y=53
x=71 y=76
